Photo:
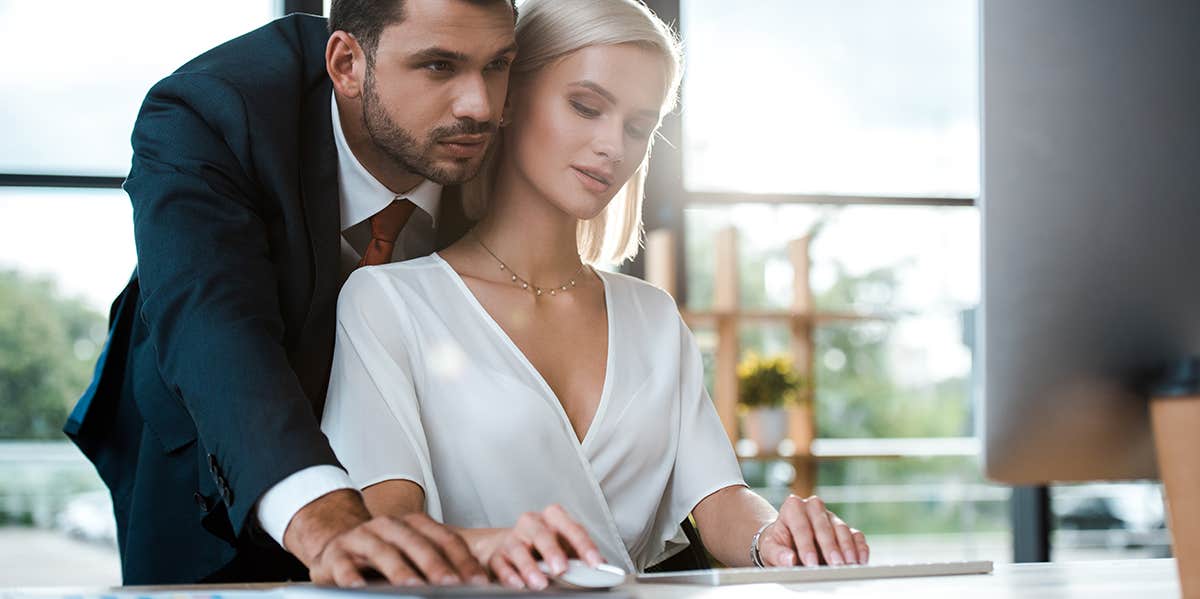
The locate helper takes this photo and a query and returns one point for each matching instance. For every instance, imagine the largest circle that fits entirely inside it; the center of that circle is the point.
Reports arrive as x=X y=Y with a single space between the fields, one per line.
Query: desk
x=1136 y=579
x=1139 y=579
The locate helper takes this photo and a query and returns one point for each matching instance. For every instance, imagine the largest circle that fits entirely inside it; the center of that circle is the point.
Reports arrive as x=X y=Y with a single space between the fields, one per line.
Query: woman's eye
x=585 y=110
x=637 y=132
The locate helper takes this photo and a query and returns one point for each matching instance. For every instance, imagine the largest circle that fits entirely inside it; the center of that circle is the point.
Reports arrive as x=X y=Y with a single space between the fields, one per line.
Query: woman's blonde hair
x=548 y=30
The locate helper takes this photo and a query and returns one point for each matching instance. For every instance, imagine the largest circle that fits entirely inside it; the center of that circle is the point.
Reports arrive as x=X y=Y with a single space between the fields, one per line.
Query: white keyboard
x=723 y=576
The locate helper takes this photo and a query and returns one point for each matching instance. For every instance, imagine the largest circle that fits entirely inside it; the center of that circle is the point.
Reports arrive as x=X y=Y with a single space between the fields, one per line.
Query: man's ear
x=506 y=113
x=346 y=64
x=516 y=87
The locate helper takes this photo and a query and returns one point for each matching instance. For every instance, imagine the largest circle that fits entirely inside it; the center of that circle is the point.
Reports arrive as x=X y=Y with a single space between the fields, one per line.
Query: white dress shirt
x=360 y=196
x=427 y=387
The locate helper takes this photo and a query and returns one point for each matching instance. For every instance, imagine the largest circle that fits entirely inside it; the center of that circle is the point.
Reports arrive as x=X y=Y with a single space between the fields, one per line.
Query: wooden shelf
x=823 y=317
x=856 y=449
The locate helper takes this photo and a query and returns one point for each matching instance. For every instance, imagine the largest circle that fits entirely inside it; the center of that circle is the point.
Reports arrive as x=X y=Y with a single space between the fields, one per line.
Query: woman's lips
x=592 y=181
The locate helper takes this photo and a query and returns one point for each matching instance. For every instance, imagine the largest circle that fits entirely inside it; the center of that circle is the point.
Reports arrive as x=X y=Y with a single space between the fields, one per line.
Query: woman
x=539 y=406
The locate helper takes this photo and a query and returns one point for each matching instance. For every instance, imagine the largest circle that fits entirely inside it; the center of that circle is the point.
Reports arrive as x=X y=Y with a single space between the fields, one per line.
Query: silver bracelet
x=755 y=556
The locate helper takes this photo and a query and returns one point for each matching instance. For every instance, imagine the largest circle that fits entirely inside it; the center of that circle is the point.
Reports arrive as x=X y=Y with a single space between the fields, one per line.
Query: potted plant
x=766 y=387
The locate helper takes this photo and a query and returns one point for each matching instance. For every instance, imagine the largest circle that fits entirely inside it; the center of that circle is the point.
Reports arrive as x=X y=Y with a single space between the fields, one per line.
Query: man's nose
x=473 y=101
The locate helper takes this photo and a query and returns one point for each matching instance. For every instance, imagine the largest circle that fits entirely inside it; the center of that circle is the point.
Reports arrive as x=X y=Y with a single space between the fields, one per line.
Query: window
x=860 y=97
x=72 y=86
x=855 y=124
x=64 y=255
x=898 y=365
x=82 y=238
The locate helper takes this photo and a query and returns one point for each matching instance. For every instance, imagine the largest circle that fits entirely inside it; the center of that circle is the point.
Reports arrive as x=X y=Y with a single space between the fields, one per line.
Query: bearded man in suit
x=264 y=171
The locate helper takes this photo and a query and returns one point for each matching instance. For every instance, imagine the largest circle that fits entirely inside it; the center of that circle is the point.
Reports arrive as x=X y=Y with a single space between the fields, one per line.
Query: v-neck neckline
x=516 y=350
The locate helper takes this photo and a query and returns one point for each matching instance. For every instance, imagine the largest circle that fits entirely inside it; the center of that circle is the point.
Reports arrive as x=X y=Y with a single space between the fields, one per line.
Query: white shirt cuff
x=280 y=503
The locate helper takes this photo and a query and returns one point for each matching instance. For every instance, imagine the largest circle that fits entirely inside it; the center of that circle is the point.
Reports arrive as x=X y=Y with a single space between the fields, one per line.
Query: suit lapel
x=322 y=217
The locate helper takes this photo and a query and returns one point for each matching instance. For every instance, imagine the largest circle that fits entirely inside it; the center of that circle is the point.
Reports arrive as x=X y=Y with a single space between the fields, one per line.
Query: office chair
x=693 y=557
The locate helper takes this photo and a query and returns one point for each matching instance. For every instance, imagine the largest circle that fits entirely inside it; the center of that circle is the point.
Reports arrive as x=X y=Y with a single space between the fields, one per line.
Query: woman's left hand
x=805 y=529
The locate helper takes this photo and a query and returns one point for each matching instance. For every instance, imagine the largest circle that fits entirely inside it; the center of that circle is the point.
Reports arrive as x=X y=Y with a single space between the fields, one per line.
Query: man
x=264 y=171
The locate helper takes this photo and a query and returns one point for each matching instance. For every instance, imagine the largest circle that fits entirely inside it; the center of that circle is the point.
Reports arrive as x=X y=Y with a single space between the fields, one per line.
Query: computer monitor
x=1091 y=232
x=1091 y=229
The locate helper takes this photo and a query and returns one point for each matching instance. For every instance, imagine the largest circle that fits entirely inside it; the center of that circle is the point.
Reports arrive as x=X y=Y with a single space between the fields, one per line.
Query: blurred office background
x=813 y=200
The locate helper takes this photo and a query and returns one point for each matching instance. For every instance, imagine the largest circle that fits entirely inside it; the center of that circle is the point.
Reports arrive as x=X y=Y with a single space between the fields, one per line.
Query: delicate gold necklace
x=538 y=291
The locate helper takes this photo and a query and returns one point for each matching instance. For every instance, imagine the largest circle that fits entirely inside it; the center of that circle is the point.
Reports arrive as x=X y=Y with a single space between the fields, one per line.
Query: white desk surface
x=1137 y=579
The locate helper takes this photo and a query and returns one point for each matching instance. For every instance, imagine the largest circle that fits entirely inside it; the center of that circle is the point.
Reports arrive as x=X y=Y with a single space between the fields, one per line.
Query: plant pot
x=767 y=427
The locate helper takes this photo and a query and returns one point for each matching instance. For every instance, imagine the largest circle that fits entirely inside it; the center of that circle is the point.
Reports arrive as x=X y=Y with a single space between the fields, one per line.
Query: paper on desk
x=232 y=594
x=308 y=591
x=297 y=592
x=485 y=592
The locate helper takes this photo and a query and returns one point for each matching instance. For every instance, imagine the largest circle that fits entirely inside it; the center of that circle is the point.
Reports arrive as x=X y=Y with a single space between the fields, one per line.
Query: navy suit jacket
x=213 y=379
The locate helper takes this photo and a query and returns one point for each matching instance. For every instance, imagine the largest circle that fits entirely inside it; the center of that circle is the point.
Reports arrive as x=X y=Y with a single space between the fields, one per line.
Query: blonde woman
x=538 y=406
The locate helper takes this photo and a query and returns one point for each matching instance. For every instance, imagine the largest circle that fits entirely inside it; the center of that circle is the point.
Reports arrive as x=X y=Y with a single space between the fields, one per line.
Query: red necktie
x=385 y=228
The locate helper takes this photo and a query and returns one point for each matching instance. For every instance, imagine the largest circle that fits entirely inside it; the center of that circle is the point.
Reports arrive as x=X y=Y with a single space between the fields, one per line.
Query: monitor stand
x=1175 y=419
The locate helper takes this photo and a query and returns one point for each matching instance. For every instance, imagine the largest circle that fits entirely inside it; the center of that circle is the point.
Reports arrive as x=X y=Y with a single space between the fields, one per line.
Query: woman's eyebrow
x=607 y=95
x=596 y=87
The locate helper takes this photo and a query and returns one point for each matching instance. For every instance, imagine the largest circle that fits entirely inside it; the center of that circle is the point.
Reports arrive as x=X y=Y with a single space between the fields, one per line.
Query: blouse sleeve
x=704 y=459
x=372 y=414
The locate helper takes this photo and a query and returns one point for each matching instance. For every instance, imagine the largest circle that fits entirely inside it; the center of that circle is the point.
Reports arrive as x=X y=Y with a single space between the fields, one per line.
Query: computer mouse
x=582 y=576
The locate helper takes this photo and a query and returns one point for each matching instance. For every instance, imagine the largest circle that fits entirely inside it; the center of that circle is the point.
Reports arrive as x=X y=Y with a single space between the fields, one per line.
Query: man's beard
x=403 y=147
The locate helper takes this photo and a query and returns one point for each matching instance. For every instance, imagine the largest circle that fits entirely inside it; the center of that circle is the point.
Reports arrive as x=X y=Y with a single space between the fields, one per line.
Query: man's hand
x=805 y=527
x=336 y=538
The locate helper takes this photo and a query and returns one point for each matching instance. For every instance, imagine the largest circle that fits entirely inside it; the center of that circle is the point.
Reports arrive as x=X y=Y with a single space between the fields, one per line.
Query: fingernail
x=414 y=582
x=514 y=581
x=810 y=559
x=539 y=583
x=835 y=558
x=358 y=584
x=479 y=579
x=559 y=565
x=594 y=558
x=787 y=558
x=451 y=579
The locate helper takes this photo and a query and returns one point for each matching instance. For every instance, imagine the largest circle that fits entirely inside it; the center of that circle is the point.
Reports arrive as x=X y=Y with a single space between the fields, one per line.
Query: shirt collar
x=361 y=195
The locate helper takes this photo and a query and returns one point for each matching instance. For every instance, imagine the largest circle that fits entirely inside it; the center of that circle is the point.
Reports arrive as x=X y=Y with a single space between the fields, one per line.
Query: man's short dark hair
x=366 y=19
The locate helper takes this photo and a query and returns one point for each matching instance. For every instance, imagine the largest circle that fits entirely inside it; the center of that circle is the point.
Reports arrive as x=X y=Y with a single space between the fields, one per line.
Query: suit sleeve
x=210 y=292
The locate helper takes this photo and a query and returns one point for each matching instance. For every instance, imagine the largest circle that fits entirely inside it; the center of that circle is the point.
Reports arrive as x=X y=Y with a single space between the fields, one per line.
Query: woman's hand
x=551 y=535
x=806 y=529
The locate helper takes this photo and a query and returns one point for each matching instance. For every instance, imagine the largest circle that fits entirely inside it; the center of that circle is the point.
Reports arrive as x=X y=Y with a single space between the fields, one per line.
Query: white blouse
x=427 y=387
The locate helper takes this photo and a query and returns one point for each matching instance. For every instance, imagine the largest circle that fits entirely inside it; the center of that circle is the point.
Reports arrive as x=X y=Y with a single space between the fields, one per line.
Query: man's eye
x=500 y=64
x=585 y=110
x=438 y=66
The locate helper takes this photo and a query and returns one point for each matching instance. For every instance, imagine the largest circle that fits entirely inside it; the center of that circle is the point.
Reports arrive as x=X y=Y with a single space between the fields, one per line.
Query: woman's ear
x=346 y=64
